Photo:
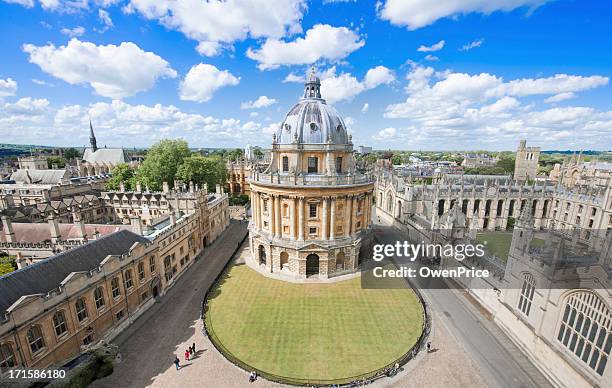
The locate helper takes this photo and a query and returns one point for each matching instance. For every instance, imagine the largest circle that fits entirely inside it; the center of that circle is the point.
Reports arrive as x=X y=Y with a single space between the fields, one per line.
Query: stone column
x=273 y=200
x=292 y=218
x=301 y=219
x=324 y=219
x=350 y=217
x=332 y=223
x=277 y=213
x=354 y=222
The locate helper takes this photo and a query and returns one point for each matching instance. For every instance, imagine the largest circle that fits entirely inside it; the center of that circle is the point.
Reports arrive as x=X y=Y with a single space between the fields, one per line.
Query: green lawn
x=498 y=243
x=312 y=331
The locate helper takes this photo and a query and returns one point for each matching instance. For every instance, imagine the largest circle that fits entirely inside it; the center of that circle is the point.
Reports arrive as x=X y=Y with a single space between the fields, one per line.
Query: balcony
x=310 y=180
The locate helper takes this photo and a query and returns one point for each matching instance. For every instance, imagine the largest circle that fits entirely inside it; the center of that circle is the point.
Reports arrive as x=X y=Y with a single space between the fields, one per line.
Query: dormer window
x=287 y=127
x=313 y=127
x=339 y=127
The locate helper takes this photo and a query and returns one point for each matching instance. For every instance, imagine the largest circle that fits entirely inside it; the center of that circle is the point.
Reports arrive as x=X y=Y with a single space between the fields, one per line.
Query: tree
x=71 y=153
x=236 y=154
x=7 y=265
x=258 y=153
x=199 y=169
x=396 y=159
x=121 y=173
x=60 y=162
x=162 y=162
x=506 y=163
x=485 y=170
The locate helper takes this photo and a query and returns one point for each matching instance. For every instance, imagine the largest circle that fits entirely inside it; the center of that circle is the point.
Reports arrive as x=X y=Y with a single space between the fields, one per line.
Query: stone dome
x=311 y=120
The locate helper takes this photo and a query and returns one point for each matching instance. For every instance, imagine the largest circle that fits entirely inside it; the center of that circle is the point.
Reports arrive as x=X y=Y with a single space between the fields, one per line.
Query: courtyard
x=311 y=333
x=498 y=243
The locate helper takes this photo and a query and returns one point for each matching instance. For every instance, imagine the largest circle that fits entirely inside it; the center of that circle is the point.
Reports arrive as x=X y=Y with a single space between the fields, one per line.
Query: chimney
x=54 y=227
x=218 y=189
x=138 y=187
x=172 y=218
x=9 y=233
x=165 y=187
x=191 y=187
x=80 y=225
x=136 y=225
x=122 y=187
x=205 y=188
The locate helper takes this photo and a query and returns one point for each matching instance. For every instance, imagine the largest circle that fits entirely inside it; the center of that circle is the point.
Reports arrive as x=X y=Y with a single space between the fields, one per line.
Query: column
x=354 y=214
x=301 y=219
x=332 y=223
x=324 y=219
x=277 y=212
x=292 y=218
x=273 y=200
x=253 y=209
x=349 y=205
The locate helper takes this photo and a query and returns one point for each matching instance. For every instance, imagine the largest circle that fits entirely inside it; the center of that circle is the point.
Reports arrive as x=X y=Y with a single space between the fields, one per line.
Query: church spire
x=312 y=87
x=92 y=138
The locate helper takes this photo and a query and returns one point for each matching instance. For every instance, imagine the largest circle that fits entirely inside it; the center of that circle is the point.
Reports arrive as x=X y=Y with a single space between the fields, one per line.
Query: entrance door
x=312 y=265
x=262 y=255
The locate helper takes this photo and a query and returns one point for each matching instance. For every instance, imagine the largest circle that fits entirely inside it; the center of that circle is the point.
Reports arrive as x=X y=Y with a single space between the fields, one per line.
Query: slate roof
x=46 y=275
x=105 y=155
x=44 y=177
x=39 y=232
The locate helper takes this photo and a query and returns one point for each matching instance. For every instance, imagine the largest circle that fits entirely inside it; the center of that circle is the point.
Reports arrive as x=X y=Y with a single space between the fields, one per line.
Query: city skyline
x=462 y=77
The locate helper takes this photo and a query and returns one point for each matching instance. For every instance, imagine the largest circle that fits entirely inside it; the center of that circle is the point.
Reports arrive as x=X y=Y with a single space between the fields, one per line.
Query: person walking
x=177 y=362
x=428 y=346
x=193 y=347
x=186 y=355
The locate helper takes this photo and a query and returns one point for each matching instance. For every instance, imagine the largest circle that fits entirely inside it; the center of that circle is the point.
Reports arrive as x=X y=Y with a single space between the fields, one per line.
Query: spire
x=92 y=138
x=312 y=87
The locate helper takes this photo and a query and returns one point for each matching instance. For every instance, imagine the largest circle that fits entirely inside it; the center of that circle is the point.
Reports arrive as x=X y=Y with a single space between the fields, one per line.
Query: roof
x=46 y=275
x=313 y=122
x=105 y=155
x=45 y=177
x=40 y=232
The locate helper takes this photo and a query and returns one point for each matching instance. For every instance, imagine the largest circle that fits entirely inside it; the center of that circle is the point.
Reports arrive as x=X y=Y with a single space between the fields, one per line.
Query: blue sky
x=403 y=73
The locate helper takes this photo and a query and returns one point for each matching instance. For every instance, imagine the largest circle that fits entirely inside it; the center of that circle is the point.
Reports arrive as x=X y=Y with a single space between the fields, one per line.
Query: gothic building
x=98 y=161
x=311 y=207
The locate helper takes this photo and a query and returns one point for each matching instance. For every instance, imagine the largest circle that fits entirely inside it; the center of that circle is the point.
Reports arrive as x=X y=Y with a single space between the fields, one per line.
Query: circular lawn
x=311 y=333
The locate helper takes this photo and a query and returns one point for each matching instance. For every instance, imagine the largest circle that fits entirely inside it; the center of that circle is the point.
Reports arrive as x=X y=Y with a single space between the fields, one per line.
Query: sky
x=404 y=74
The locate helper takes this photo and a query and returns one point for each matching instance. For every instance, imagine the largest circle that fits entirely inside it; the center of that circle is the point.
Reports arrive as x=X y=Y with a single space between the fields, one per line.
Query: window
x=313 y=164
x=141 y=271
x=594 y=211
x=59 y=323
x=152 y=264
x=585 y=329
x=312 y=210
x=35 y=339
x=339 y=164
x=81 y=309
x=265 y=205
x=128 y=279
x=526 y=296
x=88 y=339
x=99 y=298
x=120 y=314
x=7 y=357
x=312 y=231
x=167 y=262
x=115 y=287
x=144 y=296
x=285 y=164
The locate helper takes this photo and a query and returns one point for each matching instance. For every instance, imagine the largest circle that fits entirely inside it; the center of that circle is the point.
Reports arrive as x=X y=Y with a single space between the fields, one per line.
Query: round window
x=313 y=127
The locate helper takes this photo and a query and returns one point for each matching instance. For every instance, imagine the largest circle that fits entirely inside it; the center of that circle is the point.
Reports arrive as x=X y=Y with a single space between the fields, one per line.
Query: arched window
x=526 y=296
x=59 y=323
x=99 y=298
x=285 y=164
x=81 y=309
x=7 y=357
x=128 y=279
x=35 y=339
x=115 y=287
x=585 y=328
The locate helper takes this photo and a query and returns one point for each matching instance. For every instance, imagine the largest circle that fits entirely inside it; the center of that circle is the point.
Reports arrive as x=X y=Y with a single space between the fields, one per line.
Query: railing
x=311 y=179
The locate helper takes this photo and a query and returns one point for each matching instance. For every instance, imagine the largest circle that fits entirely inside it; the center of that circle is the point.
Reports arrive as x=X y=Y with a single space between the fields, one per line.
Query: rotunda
x=311 y=208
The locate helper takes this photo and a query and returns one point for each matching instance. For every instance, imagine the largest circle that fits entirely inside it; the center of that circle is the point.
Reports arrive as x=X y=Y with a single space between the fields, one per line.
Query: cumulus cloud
x=560 y=97
x=260 y=102
x=415 y=14
x=214 y=22
x=8 y=87
x=471 y=45
x=487 y=110
x=434 y=47
x=203 y=80
x=73 y=32
x=386 y=134
x=378 y=75
x=431 y=58
x=42 y=83
x=321 y=42
x=27 y=106
x=112 y=71
x=365 y=107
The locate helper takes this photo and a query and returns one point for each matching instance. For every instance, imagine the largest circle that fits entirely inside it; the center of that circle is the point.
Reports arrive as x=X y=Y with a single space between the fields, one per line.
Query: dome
x=311 y=120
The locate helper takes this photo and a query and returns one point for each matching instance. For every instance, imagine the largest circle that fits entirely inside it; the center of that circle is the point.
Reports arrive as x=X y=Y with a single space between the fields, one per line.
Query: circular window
x=313 y=127
x=339 y=127
x=287 y=127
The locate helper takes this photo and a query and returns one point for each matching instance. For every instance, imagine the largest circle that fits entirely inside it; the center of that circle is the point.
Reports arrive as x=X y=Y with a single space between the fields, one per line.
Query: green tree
x=506 y=163
x=59 y=161
x=121 y=173
x=162 y=162
x=236 y=154
x=71 y=153
x=258 y=153
x=7 y=265
x=396 y=159
x=203 y=169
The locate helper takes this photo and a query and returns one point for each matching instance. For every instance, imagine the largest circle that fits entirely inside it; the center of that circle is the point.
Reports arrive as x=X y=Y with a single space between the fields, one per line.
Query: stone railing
x=311 y=179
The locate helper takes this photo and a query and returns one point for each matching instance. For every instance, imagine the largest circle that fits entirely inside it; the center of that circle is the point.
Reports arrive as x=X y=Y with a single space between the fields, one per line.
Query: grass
x=498 y=243
x=315 y=332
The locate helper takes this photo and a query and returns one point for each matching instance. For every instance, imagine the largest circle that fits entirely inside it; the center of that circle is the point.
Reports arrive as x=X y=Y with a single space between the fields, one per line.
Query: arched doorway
x=284 y=260
x=262 y=255
x=155 y=286
x=399 y=209
x=340 y=261
x=312 y=265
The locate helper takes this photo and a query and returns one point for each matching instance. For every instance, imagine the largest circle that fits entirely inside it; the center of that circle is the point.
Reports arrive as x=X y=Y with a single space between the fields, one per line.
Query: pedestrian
x=190 y=351
x=428 y=346
x=177 y=362
x=252 y=376
x=186 y=355
x=193 y=346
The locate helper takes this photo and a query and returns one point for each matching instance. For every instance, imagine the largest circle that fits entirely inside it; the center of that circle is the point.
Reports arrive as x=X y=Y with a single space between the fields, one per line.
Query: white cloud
x=415 y=14
x=73 y=32
x=228 y=21
x=8 y=87
x=105 y=19
x=208 y=49
x=471 y=45
x=434 y=47
x=386 y=134
x=321 y=42
x=365 y=107
x=431 y=58
x=378 y=75
x=260 y=102
x=560 y=97
x=25 y=3
x=203 y=80
x=27 y=106
x=42 y=83
x=346 y=86
x=112 y=71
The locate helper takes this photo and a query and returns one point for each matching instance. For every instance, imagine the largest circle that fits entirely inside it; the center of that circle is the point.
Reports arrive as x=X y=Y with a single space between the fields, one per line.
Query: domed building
x=311 y=209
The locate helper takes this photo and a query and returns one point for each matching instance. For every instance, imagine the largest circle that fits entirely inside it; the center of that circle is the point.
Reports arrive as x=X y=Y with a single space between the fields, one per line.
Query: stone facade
x=526 y=164
x=311 y=208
